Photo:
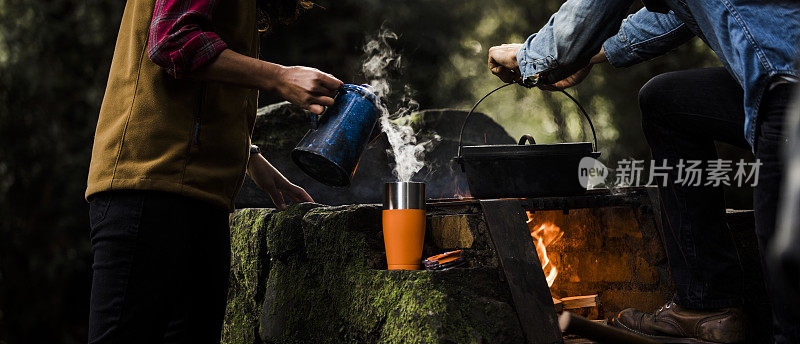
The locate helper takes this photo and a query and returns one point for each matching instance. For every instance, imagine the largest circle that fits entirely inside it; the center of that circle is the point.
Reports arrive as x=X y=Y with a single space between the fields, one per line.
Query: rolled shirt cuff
x=529 y=68
x=197 y=52
x=618 y=52
x=526 y=68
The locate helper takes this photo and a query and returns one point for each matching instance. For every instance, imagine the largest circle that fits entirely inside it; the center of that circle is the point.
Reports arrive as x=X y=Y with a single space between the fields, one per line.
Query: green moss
x=284 y=230
x=321 y=289
x=247 y=269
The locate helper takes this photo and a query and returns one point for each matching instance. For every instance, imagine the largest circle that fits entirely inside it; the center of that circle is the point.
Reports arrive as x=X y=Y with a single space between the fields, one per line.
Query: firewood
x=559 y=306
x=574 y=302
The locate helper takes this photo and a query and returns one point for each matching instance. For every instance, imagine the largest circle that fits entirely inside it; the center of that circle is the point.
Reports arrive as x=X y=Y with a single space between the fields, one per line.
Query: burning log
x=574 y=302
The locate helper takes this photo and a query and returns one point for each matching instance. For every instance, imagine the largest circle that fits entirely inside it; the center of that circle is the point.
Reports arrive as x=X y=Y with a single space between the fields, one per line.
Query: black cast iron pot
x=524 y=170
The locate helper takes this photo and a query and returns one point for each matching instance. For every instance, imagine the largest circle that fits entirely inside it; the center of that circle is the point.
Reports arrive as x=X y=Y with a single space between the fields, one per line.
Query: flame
x=461 y=194
x=544 y=235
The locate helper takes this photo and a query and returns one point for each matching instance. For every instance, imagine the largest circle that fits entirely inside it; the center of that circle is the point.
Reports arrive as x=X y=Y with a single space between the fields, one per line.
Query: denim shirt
x=756 y=40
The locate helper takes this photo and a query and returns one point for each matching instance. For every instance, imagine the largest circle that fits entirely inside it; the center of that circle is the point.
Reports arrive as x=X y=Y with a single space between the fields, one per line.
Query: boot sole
x=660 y=339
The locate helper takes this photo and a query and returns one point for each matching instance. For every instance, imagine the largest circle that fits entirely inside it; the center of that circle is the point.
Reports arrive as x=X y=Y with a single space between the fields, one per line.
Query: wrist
x=271 y=76
x=255 y=159
x=600 y=57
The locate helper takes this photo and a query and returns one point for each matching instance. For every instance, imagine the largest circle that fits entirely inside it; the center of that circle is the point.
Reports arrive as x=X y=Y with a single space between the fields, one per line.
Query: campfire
x=544 y=234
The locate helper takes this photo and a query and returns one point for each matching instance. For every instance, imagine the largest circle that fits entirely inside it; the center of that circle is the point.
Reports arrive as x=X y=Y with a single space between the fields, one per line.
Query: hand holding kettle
x=307 y=87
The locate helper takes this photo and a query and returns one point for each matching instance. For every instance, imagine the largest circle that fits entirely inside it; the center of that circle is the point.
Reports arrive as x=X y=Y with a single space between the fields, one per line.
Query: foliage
x=54 y=58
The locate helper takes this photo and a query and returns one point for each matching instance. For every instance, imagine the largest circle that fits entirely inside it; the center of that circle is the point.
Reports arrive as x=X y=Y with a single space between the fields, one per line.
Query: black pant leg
x=161 y=265
x=201 y=277
x=770 y=146
x=114 y=218
x=683 y=113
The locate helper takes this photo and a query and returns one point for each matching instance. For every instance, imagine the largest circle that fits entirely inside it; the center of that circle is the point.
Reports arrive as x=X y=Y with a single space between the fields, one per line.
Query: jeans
x=160 y=270
x=683 y=113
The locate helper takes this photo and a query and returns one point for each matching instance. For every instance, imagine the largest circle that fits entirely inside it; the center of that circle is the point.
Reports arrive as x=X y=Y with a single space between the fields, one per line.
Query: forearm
x=252 y=162
x=258 y=168
x=598 y=58
x=303 y=86
x=269 y=179
x=240 y=70
x=570 y=38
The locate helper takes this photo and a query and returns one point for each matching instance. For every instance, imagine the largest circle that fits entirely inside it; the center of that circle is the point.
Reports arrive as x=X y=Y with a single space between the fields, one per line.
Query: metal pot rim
x=570 y=148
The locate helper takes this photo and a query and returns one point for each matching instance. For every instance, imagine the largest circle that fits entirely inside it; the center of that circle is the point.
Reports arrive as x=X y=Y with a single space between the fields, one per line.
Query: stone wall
x=316 y=274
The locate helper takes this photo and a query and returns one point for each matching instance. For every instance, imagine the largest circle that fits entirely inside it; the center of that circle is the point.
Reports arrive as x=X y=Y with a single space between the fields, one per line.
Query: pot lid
x=527 y=150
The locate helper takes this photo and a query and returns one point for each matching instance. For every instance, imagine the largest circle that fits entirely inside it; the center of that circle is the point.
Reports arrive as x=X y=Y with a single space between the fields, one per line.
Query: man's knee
x=653 y=98
x=652 y=95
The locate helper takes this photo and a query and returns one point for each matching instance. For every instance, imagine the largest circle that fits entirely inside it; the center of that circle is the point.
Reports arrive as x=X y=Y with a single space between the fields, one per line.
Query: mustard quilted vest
x=159 y=133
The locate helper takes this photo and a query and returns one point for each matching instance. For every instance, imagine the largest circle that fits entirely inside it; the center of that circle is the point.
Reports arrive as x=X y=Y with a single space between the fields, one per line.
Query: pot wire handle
x=583 y=111
x=461 y=133
x=588 y=119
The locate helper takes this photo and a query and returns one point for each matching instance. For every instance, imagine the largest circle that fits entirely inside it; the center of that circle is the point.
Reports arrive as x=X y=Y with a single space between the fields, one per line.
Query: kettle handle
x=315 y=119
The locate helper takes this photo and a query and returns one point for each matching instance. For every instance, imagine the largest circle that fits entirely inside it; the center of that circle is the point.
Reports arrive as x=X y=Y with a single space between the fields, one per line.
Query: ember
x=544 y=235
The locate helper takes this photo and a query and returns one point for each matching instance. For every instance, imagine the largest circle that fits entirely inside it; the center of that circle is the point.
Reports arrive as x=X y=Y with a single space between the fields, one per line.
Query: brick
x=451 y=232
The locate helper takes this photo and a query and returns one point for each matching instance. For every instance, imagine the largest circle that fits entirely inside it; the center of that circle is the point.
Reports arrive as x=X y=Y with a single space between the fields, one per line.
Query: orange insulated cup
x=404 y=224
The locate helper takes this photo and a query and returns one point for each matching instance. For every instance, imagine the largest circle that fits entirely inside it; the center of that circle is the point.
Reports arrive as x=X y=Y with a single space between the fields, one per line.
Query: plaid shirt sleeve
x=177 y=40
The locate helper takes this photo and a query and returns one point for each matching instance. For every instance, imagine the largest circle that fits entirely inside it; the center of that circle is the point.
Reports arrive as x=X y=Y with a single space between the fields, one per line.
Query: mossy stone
x=249 y=269
x=323 y=287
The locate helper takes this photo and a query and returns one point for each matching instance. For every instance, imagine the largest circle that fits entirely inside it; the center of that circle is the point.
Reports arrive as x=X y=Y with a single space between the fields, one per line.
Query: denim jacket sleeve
x=645 y=35
x=569 y=39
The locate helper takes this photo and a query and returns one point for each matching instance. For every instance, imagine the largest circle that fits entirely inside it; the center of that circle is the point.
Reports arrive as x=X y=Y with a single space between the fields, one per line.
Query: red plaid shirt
x=178 y=41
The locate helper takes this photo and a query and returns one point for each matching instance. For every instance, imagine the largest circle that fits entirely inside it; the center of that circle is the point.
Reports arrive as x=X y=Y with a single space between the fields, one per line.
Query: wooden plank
x=574 y=302
x=506 y=221
x=558 y=305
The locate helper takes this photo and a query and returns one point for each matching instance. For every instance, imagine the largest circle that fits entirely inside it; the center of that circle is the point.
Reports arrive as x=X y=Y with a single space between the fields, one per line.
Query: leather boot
x=674 y=324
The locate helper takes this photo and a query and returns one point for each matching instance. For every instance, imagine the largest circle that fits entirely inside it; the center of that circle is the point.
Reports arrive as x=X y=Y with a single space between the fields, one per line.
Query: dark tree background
x=54 y=61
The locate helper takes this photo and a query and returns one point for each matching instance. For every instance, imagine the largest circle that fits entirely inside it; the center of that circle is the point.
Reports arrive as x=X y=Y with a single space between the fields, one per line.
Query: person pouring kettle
x=170 y=152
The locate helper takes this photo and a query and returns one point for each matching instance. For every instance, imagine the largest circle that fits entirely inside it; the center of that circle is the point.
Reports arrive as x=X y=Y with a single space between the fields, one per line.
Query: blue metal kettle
x=330 y=151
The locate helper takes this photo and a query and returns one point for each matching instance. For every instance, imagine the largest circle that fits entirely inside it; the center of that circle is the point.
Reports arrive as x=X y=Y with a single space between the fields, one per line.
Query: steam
x=380 y=63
